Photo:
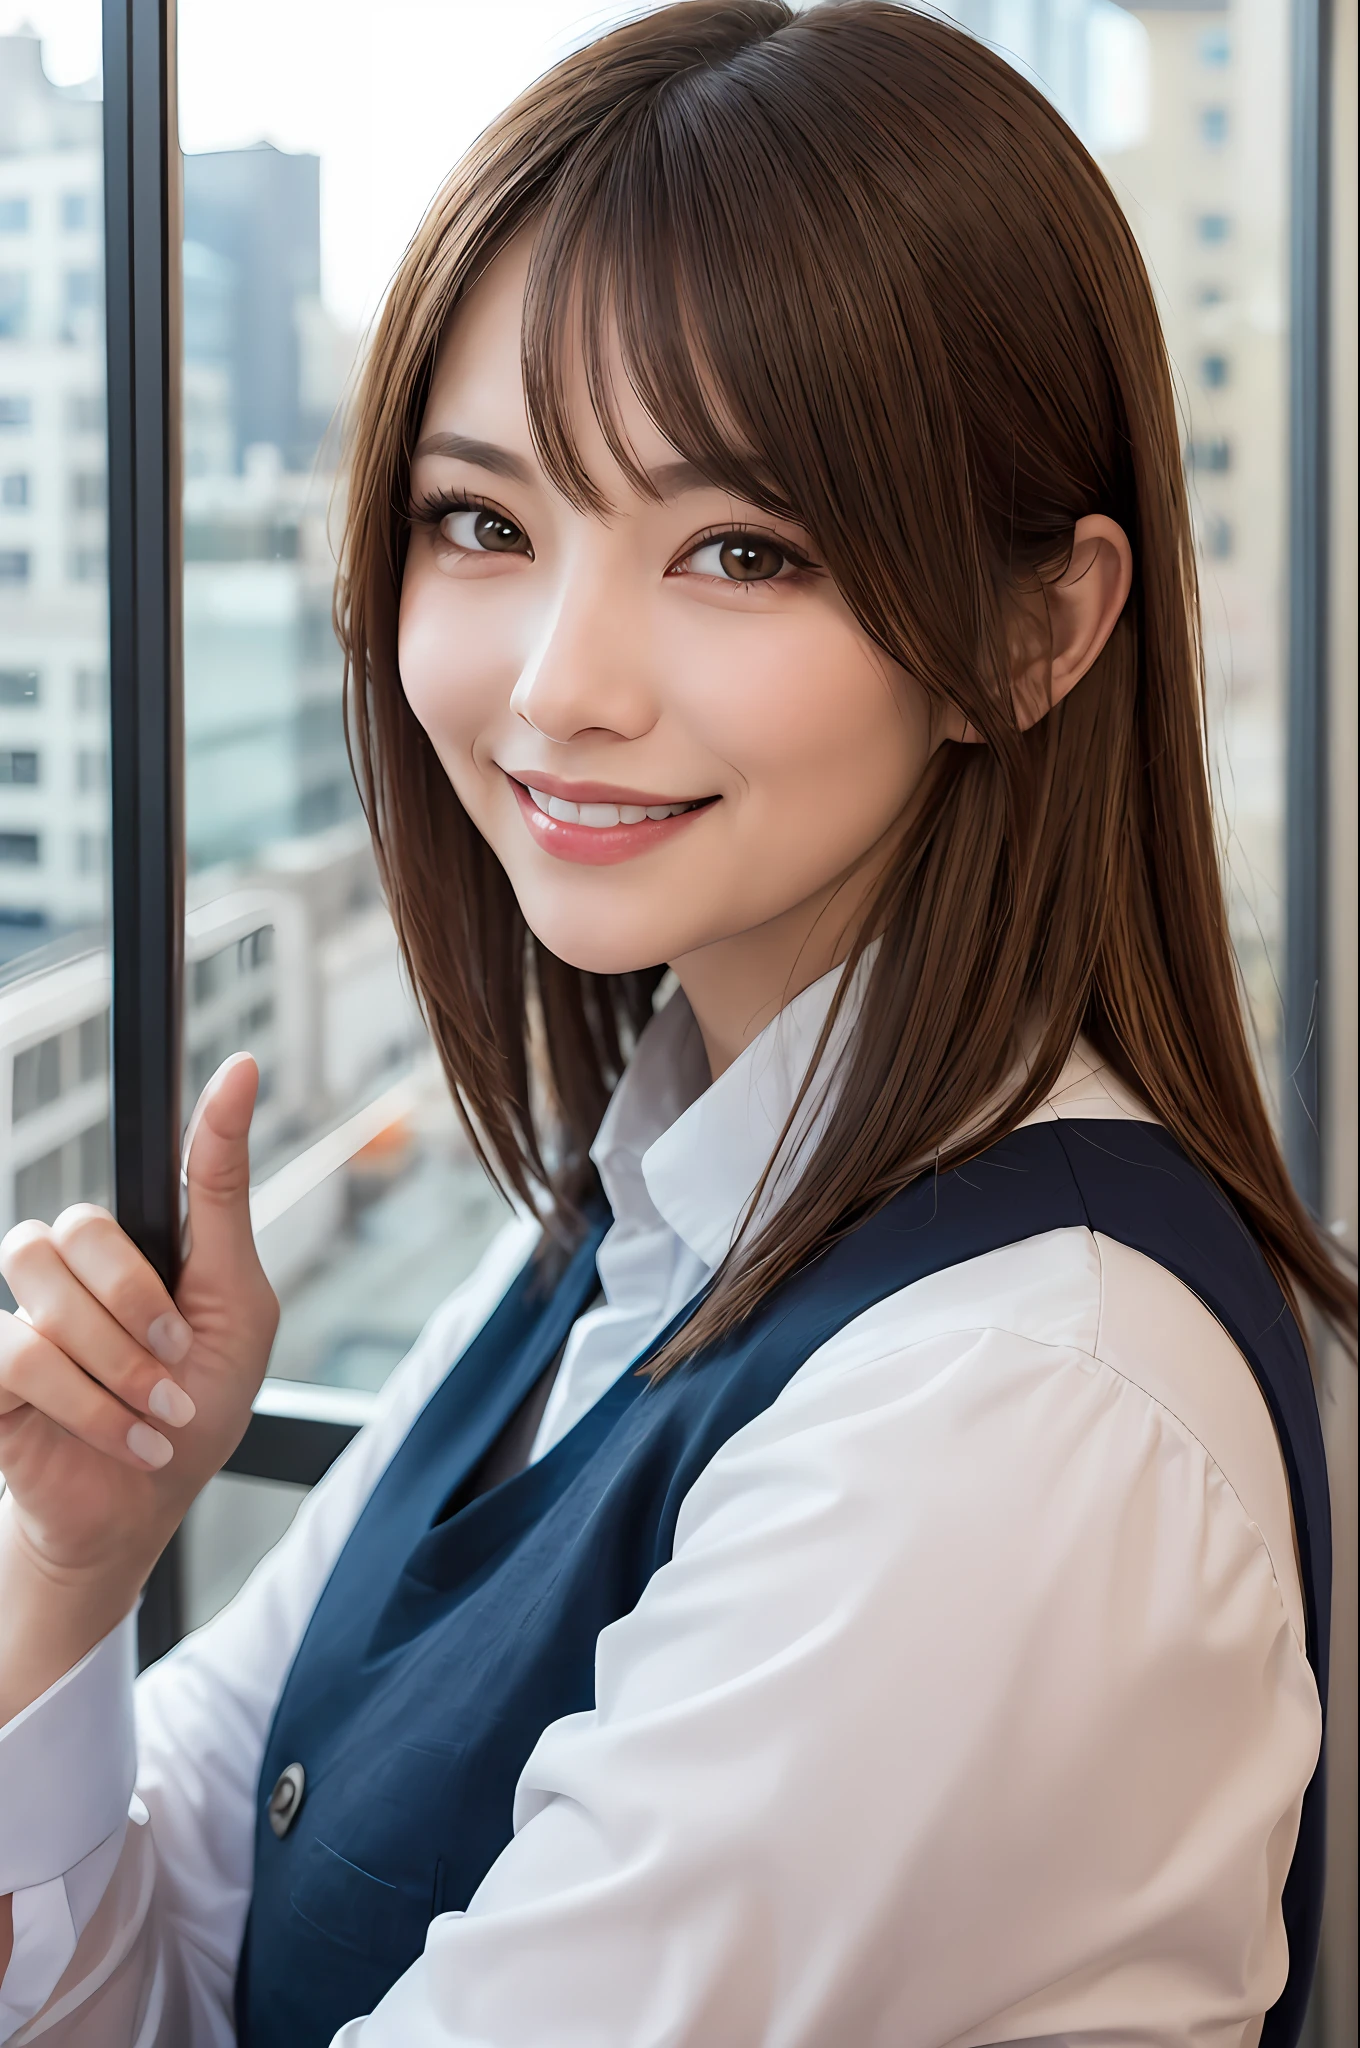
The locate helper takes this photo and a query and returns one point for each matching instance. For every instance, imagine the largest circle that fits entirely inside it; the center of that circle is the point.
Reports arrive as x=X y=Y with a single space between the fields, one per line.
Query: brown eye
x=745 y=559
x=493 y=530
x=480 y=531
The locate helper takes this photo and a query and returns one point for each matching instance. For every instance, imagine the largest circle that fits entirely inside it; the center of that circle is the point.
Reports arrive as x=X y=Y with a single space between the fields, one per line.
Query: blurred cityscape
x=289 y=948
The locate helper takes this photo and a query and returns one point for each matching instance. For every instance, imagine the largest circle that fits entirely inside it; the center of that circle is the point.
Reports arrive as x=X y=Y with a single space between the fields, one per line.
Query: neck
x=738 y=985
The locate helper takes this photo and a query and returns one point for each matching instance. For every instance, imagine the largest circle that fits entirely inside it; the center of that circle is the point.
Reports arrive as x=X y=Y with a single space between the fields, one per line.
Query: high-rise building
x=252 y=272
x=53 y=615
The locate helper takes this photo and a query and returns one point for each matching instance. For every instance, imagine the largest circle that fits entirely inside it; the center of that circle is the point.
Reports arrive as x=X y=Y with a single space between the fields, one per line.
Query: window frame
x=143 y=238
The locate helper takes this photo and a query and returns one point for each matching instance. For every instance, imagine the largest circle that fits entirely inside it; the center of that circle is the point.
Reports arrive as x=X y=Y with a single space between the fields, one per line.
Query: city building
x=53 y=608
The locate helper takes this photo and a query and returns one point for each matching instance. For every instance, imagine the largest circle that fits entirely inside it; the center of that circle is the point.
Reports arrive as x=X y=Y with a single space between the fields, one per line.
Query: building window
x=92 y=689
x=18 y=849
x=1214 y=372
x=92 y=768
x=257 y=949
x=94 y=1046
x=1217 y=539
x=15 y=412
x=257 y=1018
x=18 y=764
x=85 y=412
x=92 y=852
x=37 y=1078
x=87 y=491
x=1210 y=295
x=77 y=211
x=1213 y=126
x=1213 y=227
x=1215 y=48
x=18 y=686
x=13 y=304
x=95 y=1178
x=14 y=565
x=13 y=214
x=87 y=565
x=80 y=305
x=37 y=1187
x=14 y=490
x=1213 y=457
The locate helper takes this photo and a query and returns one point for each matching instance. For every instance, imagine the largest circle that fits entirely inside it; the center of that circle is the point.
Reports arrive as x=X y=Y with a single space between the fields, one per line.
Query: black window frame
x=142 y=182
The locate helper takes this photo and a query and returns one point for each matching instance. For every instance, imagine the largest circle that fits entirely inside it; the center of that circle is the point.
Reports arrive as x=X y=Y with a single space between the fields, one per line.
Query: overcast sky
x=387 y=92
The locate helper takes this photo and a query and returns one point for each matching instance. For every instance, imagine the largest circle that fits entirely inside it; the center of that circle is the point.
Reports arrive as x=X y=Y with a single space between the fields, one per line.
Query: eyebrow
x=668 y=478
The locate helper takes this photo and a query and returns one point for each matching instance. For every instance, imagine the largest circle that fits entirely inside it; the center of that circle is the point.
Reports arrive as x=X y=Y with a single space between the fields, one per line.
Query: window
x=13 y=304
x=1214 y=371
x=14 y=567
x=13 y=213
x=18 y=686
x=85 y=412
x=15 y=411
x=1213 y=126
x=14 y=490
x=1214 y=47
x=1216 y=538
x=91 y=690
x=94 y=1046
x=18 y=765
x=37 y=1077
x=19 y=849
x=92 y=853
x=81 y=301
x=1212 y=457
x=77 y=211
x=1213 y=227
x=87 y=491
x=92 y=768
x=87 y=565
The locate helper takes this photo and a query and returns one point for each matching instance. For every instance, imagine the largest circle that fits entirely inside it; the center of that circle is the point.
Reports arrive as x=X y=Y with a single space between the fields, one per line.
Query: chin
x=597 y=951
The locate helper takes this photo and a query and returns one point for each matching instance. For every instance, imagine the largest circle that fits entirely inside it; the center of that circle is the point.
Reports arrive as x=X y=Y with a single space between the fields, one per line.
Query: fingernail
x=169 y=1338
x=171 y=1403
x=149 y=1445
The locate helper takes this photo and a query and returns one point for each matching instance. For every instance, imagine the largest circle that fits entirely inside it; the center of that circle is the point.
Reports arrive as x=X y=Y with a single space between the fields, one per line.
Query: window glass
x=303 y=179
x=54 y=975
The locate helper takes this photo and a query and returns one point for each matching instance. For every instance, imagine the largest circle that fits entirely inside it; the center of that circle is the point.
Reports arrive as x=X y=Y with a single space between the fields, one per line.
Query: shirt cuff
x=68 y=1764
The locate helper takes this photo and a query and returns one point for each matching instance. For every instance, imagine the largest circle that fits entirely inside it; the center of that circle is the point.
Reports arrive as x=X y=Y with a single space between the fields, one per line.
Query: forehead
x=477 y=388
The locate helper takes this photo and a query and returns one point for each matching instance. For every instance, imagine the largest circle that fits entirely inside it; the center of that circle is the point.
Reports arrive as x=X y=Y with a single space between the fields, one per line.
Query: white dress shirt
x=972 y=1706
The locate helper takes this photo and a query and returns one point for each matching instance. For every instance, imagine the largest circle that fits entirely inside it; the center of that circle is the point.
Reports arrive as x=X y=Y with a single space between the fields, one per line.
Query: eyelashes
x=435 y=507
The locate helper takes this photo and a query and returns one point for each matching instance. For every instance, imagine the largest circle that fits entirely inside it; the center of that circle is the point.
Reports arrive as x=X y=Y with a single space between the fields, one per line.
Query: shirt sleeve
x=132 y=1932
x=967 y=1710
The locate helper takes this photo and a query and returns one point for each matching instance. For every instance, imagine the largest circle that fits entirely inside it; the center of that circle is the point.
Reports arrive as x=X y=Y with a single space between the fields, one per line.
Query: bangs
x=676 y=247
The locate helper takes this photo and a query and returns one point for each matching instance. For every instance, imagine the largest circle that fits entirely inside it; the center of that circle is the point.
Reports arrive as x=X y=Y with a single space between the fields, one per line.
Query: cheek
x=813 y=713
x=450 y=662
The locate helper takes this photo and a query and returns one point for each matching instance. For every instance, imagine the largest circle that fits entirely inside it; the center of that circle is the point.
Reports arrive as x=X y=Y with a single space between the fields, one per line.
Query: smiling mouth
x=601 y=817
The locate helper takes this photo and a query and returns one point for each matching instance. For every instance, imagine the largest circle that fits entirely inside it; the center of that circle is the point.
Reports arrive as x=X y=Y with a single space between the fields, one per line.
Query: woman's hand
x=117 y=1404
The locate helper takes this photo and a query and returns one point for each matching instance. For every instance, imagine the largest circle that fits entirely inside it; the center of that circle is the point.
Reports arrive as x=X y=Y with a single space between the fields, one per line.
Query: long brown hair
x=861 y=273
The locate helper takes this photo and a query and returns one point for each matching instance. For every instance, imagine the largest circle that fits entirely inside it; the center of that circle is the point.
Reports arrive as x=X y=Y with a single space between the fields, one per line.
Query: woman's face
x=667 y=723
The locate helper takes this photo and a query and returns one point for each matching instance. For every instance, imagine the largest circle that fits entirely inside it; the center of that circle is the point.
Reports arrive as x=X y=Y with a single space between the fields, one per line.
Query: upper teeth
x=602 y=816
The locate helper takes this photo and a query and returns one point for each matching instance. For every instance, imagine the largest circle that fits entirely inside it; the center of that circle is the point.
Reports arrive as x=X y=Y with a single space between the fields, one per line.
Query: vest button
x=285 y=1800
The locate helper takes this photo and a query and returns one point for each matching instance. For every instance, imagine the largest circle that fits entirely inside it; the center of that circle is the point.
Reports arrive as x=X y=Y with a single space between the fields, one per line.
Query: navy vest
x=444 y=1643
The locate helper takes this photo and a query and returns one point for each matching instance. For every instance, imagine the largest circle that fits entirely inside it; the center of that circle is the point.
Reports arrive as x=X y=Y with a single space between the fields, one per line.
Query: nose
x=587 y=672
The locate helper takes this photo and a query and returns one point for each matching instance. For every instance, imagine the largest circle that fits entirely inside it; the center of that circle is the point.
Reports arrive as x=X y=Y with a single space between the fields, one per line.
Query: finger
x=35 y=1373
x=217 y=1167
x=109 y=1266
x=63 y=1310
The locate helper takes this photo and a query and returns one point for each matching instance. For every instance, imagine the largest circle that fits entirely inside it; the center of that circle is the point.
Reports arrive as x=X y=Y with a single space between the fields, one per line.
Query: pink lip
x=588 y=845
x=588 y=792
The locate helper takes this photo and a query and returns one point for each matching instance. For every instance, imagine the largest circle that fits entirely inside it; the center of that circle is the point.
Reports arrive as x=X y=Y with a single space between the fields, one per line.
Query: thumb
x=217 y=1168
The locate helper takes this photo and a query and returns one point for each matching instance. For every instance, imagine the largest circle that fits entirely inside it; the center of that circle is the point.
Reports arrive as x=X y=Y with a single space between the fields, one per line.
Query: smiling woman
x=852 y=1567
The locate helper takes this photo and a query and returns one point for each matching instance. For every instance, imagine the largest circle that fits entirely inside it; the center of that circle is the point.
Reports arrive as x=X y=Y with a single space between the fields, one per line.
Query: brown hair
x=861 y=272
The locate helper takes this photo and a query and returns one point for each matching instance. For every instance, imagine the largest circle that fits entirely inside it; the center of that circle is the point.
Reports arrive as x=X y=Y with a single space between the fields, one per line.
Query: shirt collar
x=675 y=1150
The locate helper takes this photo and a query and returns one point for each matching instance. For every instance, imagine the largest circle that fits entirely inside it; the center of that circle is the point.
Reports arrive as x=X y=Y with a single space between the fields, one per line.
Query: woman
x=851 y=1566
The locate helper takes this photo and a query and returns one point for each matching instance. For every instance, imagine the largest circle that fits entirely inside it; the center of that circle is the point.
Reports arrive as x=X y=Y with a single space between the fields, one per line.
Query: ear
x=1070 y=619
